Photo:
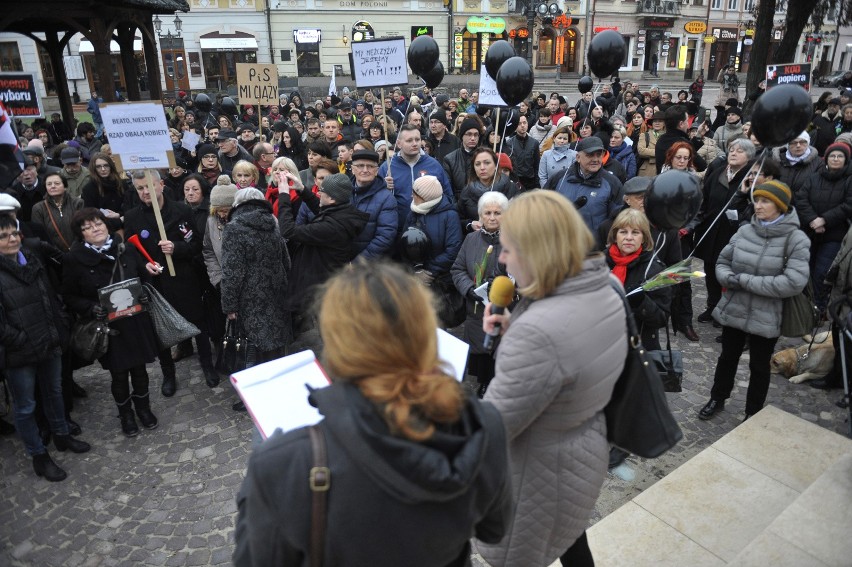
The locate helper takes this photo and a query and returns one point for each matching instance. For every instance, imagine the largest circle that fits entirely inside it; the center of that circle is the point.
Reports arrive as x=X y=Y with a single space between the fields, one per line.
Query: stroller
x=844 y=324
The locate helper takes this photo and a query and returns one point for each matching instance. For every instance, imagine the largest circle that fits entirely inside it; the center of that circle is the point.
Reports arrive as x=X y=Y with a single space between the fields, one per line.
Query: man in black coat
x=324 y=245
x=523 y=151
x=183 y=290
x=677 y=126
x=457 y=163
x=439 y=136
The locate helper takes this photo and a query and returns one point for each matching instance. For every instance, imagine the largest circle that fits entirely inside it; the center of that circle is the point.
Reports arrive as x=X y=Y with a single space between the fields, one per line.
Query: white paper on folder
x=482 y=291
x=275 y=392
x=276 y=395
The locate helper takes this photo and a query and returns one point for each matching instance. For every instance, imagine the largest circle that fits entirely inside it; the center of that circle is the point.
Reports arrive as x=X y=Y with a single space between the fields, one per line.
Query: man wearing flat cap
x=371 y=196
x=443 y=143
x=732 y=129
x=230 y=152
x=594 y=191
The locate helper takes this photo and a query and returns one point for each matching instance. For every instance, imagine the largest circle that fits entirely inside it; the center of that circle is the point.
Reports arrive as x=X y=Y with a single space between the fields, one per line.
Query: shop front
x=724 y=50
x=118 y=82
x=220 y=54
x=654 y=45
x=472 y=39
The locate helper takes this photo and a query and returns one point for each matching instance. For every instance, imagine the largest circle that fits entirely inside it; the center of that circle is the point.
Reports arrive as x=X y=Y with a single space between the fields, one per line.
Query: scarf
x=102 y=249
x=795 y=160
x=425 y=207
x=621 y=262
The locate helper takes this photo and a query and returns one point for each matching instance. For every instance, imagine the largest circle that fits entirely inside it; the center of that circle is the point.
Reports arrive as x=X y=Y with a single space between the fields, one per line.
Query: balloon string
x=725 y=207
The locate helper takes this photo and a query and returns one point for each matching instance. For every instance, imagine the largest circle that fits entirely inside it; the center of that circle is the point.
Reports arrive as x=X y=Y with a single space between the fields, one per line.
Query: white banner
x=488 y=90
x=380 y=62
x=139 y=134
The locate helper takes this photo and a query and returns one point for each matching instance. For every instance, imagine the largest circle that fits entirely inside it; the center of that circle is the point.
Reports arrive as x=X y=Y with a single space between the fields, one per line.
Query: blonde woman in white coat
x=552 y=382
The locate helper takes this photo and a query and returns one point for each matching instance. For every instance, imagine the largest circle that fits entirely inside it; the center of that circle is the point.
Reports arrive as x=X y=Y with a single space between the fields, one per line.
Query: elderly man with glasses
x=372 y=196
x=798 y=159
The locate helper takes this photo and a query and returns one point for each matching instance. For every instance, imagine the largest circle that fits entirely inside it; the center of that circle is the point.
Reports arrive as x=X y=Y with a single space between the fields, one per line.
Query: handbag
x=638 y=418
x=89 y=339
x=170 y=326
x=452 y=310
x=236 y=351
x=799 y=315
x=669 y=365
x=319 y=482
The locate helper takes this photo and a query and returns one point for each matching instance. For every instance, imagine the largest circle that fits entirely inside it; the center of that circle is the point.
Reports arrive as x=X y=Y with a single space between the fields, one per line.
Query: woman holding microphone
x=551 y=383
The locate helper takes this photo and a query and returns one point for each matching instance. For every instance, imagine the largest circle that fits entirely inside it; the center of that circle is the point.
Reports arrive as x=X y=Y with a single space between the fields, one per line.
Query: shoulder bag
x=319 y=482
x=799 y=315
x=638 y=418
x=669 y=364
x=236 y=352
x=170 y=326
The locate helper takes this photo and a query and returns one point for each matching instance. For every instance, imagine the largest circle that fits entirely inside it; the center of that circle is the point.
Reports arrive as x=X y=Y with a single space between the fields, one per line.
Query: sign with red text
x=18 y=92
x=789 y=74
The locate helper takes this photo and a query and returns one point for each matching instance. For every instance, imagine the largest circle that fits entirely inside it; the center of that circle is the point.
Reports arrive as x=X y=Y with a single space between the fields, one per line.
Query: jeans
x=22 y=384
x=760 y=353
x=822 y=255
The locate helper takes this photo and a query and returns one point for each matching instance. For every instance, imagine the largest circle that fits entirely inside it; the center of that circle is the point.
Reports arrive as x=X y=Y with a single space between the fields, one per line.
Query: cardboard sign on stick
x=257 y=83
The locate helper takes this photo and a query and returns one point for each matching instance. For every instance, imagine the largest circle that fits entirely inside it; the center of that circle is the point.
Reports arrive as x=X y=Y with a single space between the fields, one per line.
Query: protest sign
x=257 y=83
x=121 y=299
x=138 y=135
x=189 y=140
x=488 y=90
x=380 y=62
x=18 y=92
x=789 y=74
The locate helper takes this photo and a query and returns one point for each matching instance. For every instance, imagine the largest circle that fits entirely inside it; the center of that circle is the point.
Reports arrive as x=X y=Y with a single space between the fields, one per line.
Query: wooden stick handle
x=155 y=203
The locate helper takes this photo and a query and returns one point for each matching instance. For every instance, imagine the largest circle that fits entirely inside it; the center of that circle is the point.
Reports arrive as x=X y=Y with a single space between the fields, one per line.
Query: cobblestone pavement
x=166 y=497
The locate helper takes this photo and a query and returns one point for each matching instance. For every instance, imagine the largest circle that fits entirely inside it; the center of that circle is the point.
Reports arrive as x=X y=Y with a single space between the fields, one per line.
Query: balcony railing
x=658 y=7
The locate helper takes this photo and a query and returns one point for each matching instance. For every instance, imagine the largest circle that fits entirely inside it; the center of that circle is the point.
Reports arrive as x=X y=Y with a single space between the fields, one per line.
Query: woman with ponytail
x=417 y=467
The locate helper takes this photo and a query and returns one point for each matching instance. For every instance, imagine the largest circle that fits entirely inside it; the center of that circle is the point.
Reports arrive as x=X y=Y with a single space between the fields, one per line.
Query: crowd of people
x=268 y=206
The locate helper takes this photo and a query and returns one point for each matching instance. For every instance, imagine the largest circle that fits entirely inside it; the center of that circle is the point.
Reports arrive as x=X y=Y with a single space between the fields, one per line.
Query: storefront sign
x=709 y=39
x=520 y=33
x=368 y=4
x=748 y=41
x=605 y=28
x=458 y=53
x=307 y=36
x=726 y=34
x=478 y=24
x=789 y=74
x=417 y=31
x=695 y=26
x=362 y=31
x=257 y=83
x=138 y=135
x=380 y=63
x=18 y=92
x=659 y=22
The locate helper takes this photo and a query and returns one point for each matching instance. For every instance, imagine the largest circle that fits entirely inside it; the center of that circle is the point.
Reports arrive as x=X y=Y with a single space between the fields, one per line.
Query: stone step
x=711 y=508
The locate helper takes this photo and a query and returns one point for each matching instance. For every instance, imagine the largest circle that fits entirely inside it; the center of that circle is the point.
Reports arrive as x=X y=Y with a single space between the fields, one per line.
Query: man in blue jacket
x=371 y=195
x=594 y=191
x=407 y=166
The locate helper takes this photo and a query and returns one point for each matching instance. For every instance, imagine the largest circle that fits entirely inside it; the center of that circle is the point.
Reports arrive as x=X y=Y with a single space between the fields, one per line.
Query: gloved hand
x=635 y=300
x=98 y=312
x=734 y=282
x=472 y=296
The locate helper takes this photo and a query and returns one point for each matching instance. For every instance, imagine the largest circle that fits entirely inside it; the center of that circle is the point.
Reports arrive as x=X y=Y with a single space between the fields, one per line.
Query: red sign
x=604 y=28
x=658 y=23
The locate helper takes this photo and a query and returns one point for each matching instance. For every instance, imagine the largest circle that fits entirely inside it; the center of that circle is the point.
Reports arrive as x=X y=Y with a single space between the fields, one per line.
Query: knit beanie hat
x=803 y=136
x=338 y=187
x=777 y=192
x=504 y=161
x=428 y=188
x=469 y=124
x=223 y=193
x=440 y=116
x=248 y=194
x=206 y=149
x=839 y=147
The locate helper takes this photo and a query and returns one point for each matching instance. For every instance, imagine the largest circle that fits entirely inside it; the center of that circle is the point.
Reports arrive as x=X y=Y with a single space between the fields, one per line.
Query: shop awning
x=87 y=47
x=228 y=43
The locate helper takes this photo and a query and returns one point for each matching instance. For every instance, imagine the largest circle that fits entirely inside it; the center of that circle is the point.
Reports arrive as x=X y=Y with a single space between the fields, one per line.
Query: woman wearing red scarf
x=630 y=251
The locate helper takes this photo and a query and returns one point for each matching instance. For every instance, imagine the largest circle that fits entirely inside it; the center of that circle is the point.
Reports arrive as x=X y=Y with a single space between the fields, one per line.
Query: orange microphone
x=134 y=240
x=501 y=295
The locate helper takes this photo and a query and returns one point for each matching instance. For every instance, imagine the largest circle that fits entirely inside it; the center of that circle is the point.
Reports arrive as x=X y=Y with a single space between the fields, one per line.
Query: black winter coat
x=666 y=141
x=319 y=248
x=469 y=199
x=29 y=322
x=651 y=310
x=828 y=195
x=255 y=267
x=27 y=198
x=183 y=290
x=524 y=155
x=717 y=191
x=84 y=272
x=426 y=499
x=112 y=199
x=457 y=166
x=794 y=174
x=444 y=147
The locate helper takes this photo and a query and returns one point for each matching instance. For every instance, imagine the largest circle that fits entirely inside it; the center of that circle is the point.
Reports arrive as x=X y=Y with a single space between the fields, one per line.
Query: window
x=732 y=5
x=307 y=59
x=47 y=72
x=749 y=6
x=10 y=57
x=220 y=67
x=781 y=7
x=716 y=4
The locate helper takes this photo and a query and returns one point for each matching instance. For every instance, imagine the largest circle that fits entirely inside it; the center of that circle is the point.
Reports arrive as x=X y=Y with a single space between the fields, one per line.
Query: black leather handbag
x=638 y=418
x=236 y=352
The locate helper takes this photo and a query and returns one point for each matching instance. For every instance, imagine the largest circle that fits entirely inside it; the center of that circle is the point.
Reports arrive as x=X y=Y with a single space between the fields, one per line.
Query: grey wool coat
x=755 y=255
x=556 y=368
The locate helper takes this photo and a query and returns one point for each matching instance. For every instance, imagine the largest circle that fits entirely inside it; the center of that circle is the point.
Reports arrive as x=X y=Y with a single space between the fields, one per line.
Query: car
x=831 y=80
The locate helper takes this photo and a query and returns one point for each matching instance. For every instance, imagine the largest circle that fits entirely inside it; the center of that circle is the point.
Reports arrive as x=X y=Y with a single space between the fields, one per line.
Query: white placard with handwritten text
x=380 y=62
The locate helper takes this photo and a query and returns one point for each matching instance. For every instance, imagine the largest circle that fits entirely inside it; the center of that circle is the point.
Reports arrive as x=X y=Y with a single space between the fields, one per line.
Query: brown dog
x=818 y=362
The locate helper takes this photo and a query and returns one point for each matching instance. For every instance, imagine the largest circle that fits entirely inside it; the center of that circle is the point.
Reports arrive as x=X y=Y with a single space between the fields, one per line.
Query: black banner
x=18 y=92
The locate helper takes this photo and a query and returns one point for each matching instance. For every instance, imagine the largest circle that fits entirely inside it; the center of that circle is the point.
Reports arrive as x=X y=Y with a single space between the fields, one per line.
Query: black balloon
x=515 y=80
x=780 y=114
x=498 y=53
x=415 y=246
x=434 y=76
x=203 y=102
x=228 y=106
x=673 y=199
x=606 y=53
x=423 y=54
x=586 y=84
x=509 y=121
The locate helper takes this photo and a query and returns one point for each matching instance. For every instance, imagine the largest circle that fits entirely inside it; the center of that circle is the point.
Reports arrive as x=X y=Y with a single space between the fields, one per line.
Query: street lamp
x=168 y=43
x=545 y=10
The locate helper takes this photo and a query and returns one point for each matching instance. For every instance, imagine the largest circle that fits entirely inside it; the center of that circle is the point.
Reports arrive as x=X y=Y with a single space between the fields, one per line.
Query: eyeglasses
x=5 y=237
x=93 y=226
x=364 y=166
x=799 y=143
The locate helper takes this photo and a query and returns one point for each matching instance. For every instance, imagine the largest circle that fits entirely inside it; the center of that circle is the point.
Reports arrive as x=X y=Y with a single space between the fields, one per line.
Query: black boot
x=66 y=442
x=73 y=427
x=128 y=422
x=44 y=466
x=143 y=411
x=210 y=376
x=169 y=386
